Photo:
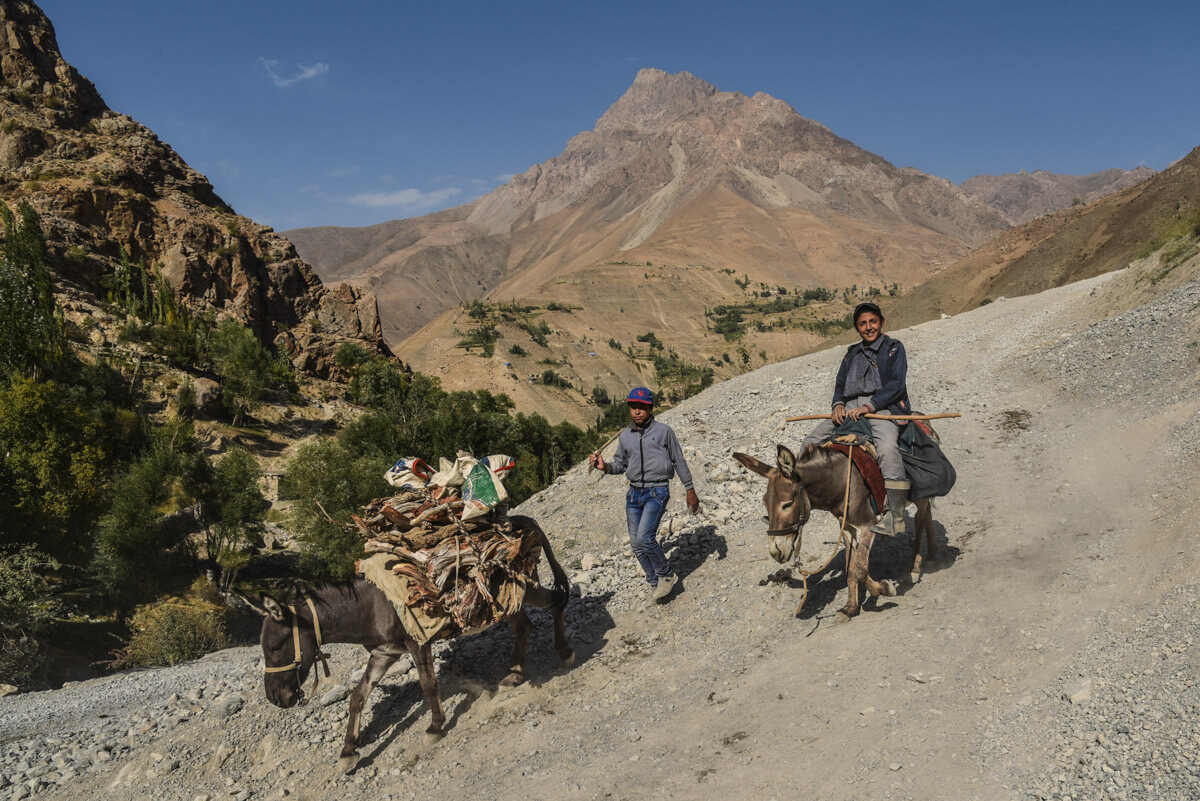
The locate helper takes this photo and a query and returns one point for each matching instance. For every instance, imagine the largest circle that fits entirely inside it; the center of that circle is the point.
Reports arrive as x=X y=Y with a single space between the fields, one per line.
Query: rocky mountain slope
x=1077 y=242
x=106 y=185
x=1025 y=195
x=676 y=173
x=1051 y=654
x=682 y=199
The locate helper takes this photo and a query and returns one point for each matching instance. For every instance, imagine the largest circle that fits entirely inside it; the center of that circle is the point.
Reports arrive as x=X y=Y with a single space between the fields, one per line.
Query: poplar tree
x=32 y=341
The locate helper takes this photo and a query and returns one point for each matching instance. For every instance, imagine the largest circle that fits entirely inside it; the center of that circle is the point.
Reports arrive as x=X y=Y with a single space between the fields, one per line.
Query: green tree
x=229 y=507
x=58 y=444
x=243 y=365
x=328 y=478
x=379 y=383
x=142 y=541
x=27 y=608
x=31 y=326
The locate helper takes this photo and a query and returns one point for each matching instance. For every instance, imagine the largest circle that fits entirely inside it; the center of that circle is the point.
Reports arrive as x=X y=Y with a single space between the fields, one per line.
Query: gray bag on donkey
x=928 y=469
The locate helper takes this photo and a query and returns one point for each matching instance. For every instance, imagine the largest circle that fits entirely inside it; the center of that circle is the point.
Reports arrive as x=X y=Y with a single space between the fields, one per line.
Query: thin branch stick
x=878 y=416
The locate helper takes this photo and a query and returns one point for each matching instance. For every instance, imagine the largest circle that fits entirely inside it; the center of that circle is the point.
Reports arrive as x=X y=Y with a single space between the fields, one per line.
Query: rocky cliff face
x=103 y=184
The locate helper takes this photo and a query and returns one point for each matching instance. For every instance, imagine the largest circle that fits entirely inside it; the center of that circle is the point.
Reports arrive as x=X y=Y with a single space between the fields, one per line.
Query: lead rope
x=842 y=538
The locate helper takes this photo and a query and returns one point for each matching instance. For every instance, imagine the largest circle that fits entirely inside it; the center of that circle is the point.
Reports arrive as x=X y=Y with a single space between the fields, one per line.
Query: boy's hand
x=693 y=501
x=858 y=411
x=596 y=461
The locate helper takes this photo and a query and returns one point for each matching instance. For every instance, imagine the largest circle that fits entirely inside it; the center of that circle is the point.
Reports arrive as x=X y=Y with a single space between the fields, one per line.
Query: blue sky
x=305 y=113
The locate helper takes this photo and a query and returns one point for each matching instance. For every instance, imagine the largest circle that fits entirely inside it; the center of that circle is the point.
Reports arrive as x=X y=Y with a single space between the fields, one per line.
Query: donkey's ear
x=787 y=461
x=752 y=463
x=265 y=605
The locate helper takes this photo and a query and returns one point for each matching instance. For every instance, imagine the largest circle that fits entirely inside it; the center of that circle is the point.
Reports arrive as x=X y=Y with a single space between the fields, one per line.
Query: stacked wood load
x=473 y=571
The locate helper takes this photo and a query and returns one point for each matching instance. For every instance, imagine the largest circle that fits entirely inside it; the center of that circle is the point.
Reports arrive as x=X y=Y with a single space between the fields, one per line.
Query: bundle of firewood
x=418 y=519
x=466 y=570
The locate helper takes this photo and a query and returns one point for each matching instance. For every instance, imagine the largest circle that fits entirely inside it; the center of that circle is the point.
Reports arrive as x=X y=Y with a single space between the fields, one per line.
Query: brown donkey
x=821 y=480
x=359 y=612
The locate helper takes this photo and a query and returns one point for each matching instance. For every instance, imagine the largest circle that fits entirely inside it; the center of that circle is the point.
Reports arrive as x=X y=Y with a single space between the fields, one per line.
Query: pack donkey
x=821 y=479
x=359 y=612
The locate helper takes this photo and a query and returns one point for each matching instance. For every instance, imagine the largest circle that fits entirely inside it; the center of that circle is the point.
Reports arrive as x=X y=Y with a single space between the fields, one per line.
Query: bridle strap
x=794 y=528
x=321 y=656
x=295 y=646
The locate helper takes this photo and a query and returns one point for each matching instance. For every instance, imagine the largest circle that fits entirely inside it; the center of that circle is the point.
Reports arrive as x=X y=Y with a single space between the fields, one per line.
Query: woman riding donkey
x=872 y=379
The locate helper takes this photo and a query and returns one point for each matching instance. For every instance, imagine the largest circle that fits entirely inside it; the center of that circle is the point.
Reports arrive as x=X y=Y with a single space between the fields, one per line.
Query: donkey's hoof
x=889 y=588
x=347 y=762
x=513 y=679
x=569 y=659
x=432 y=737
x=845 y=614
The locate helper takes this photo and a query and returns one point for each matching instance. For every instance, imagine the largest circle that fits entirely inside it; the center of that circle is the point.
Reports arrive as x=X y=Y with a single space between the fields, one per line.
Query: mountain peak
x=656 y=99
x=30 y=60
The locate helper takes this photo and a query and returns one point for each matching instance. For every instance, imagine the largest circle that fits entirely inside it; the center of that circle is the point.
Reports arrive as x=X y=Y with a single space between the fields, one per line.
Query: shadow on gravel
x=397 y=710
x=472 y=666
x=688 y=551
x=947 y=554
x=891 y=558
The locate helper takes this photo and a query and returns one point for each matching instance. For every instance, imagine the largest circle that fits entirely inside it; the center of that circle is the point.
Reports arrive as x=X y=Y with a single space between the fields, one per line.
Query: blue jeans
x=643 y=511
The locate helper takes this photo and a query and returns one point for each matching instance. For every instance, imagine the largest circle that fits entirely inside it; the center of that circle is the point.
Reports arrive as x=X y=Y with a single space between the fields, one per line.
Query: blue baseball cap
x=640 y=395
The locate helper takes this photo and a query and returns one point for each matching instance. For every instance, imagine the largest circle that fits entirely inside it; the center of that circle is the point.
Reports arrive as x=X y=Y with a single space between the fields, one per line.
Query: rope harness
x=321 y=656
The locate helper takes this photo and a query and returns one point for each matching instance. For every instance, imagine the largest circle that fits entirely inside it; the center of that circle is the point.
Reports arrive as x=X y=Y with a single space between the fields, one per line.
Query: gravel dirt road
x=1050 y=654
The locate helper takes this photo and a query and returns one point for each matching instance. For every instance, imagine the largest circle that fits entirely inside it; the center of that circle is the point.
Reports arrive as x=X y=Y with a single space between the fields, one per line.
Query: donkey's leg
x=925 y=519
x=377 y=666
x=922 y=530
x=859 y=560
x=520 y=625
x=853 y=575
x=423 y=659
x=543 y=598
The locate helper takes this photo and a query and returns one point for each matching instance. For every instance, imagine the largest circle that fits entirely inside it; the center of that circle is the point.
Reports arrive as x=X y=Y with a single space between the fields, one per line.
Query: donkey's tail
x=562 y=585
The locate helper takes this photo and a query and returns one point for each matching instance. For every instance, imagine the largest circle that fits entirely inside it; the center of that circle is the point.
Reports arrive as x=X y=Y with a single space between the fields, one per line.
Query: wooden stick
x=611 y=440
x=878 y=416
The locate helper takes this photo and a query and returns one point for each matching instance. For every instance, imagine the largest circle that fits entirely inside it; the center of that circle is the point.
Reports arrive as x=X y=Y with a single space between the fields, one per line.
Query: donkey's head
x=289 y=645
x=787 y=503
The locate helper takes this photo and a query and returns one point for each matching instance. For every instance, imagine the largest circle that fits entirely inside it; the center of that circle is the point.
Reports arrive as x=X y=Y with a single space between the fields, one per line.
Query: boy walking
x=648 y=453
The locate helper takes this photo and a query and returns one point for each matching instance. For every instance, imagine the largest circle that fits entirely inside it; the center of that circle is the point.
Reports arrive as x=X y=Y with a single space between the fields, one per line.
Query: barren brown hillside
x=1075 y=243
x=683 y=198
x=1026 y=195
x=675 y=173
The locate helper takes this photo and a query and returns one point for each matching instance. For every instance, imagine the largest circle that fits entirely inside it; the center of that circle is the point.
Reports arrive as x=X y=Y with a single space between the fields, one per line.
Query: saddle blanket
x=868 y=468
